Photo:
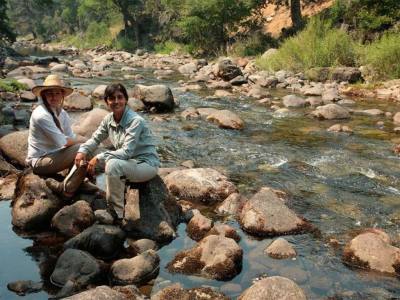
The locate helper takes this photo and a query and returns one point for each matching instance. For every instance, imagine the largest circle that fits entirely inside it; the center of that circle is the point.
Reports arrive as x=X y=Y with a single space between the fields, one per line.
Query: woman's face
x=54 y=97
x=117 y=102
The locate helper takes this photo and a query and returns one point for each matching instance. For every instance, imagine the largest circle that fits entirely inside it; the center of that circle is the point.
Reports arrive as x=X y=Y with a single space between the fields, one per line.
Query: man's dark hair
x=115 y=87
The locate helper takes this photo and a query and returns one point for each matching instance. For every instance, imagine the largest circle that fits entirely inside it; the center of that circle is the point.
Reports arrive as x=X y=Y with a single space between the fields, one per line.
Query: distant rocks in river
x=156 y=97
x=77 y=101
x=224 y=118
x=331 y=112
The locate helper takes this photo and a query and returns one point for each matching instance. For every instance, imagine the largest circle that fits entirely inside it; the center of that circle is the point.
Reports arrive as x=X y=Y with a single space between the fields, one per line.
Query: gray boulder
x=226 y=119
x=23 y=287
x=88 y=122
x=293 y=101
x=280 y=248
x=227 y=70
x=77 y=101
x=348 y=74
x=155 y=97
x=331 y=112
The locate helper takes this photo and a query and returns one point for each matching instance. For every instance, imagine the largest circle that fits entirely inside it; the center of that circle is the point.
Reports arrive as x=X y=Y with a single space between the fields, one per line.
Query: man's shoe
x=55 y=186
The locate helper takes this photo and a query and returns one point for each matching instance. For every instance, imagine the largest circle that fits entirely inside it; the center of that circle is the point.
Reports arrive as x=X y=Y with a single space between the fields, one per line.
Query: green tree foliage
x=5 y=31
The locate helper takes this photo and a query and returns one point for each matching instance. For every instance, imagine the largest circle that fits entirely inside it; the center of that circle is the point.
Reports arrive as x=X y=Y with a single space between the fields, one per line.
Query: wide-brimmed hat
x=52 y=82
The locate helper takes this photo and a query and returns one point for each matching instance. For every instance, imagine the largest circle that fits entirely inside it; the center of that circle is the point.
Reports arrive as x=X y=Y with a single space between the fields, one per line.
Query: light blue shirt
x=131 y=138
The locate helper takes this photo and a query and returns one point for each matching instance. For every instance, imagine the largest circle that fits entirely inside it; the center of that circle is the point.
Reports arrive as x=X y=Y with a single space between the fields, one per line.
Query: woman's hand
x=91 y=166
x=80 y=159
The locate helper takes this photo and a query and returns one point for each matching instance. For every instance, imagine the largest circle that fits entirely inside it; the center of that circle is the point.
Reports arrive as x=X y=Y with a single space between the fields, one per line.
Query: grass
x=169 y=47
x=11 y=85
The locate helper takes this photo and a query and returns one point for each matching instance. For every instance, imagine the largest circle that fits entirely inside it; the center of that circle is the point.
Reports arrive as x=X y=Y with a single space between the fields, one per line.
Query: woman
x=52 y=145
x=135 y=157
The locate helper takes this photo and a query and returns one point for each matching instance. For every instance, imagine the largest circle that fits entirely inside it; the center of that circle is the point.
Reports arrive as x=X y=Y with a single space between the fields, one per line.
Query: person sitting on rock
x=52 y=145
x=135 y=157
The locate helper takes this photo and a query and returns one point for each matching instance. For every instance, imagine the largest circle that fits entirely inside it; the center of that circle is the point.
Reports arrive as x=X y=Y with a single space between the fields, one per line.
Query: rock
x=269 y=53
x=226 y=69
x=136 y=270
x=370 y=112
x=158 y=97
x=77 y=101
x=21 y=71
x=330 y=95
x=224 y=230
x=59 y=68
x=347 y=102
x=8 y=185
x=188 y=69
x=348 y=74
x=103 y=241
x=103 y=217
x=106 y=293
x=204 y=112
x=8 y=96
x=273 y=288
x=76 y=266
x=215 y=257
x=293 y=101
x=159 y=213
x=198 y=227
x=330 y=112
x=319 y=74
x=258 y=92
x=72 y=219
x=136 y=104
x=314 y=101
x=127 y=69
x=340 y=128
x=238 y=80
x=28 y=82
x=222 y=93
x=220 y=85
x=226 y=119
x=34 y=205
x=27 y=96
x=190 y=113
x=23 y=287
x=142 y=245
x=6 y=168
x=396 y=120
x=313 y=91
x=175 y=291
x=99 y=91
x=15 y=146
x=231 y=204
x=372 y=250
x=200 y=184
x=266 y=214
x=88 y=122
x=280 y=248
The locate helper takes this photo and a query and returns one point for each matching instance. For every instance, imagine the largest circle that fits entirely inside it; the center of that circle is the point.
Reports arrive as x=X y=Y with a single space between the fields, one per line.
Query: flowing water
x=341 y=183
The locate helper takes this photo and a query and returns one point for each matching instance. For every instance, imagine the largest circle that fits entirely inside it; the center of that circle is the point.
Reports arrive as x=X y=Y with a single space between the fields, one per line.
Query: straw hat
x=51 y=82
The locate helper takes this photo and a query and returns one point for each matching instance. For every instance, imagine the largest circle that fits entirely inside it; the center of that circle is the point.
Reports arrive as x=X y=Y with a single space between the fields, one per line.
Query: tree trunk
x=295 y=13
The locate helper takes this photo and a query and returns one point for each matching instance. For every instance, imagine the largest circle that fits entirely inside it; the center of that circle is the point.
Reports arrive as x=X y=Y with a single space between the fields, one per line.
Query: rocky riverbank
x=94 y=257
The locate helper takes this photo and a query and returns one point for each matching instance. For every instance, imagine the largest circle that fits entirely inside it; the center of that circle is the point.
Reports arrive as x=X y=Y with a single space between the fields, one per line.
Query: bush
x=383 y=55
x=124 y=43
x=318 y=45
x=252 y=45
x=11 y=85
x=97 y=34
x=168 y=47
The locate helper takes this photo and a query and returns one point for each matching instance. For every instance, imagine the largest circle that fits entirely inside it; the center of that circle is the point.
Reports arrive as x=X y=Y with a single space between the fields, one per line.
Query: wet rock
x=204 y=112
x=23 y=287
x=220 y=85
x=200 y=184
x=231 y=205
x=273 y=288
x=293 y=101
x=222 y=93
x=258 y=92
x=15 y=146
x=348 y=74
x=76 y=266
x=77 y=101
x=215 y=257
x=99 y=91
x=21 y=71
x=103 y=217
x=72 y=219
x=373 y=250
x=188 y=69
x=226 y=69
x=28 y=82
x=8 y=185
x=314 y=101
x=238 y=80
x=347 y=102
x=127 y=69
x=266 y=214
x=340 y=128
x=34 y=205
x=198 y=226
x=103 y=241
x=224 y=230
x=226 y=119
x=59 y=68
x=330 y=95
x=159 y=213
x=313 y=91
x=330 y=112
x=280 y=248
x=175 y=291
x=369 y=112
x=190 y=113
x=142 y=245
x=136 y=104
x=136 y=270
x=106 y=293
x=88 y=122
x=158 y=97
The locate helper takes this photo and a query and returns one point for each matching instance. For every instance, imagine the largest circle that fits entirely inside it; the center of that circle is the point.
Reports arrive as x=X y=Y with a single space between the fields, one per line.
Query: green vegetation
x=11 y=85
x=5 y=31
x=169 y=47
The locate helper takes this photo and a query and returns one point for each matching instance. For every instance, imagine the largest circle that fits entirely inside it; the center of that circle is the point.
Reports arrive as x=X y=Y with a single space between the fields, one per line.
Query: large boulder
x=77 y=101
x=372 y=250
x=226 y=119
x=103 y=241
x=188 y=69
x=266 y=214
x=59 y=68
x=136 y=270
x=15 y=146
x=30 y=84
x=7 y=168
x=348 y=74
x=280 y=248
x=199 y=226
x=155 y=97
x=73 y=219
x=98 y=92
x=175 y=291
x=215 y=257
x=8 y=186
x=273 y=288
x=293 y=101
x=231 y=205
x=151 y=212
x=104 y=292
x=200 y=184
x=88 y=122
x=226 y=69
x=77 y=266
x=35 y=204
x=331 y=112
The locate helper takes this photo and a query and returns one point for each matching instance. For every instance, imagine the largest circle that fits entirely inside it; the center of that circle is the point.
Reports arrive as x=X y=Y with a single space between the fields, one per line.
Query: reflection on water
x=341 y=182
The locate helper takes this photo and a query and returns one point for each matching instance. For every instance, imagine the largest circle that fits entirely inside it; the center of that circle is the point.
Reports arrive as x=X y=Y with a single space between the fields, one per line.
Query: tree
x=5 y=31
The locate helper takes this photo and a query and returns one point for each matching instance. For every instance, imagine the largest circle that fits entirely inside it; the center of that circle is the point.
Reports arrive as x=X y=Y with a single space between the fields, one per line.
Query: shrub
x=318 y=45
x=252 y=45
x=11 y=85
x=124 y=43
x=168 y=47
x=383 y=55
x=97 y=34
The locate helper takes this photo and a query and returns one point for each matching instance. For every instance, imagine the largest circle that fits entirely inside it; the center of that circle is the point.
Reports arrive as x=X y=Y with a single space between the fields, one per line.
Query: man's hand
x=91 y=166
x=80 y=159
